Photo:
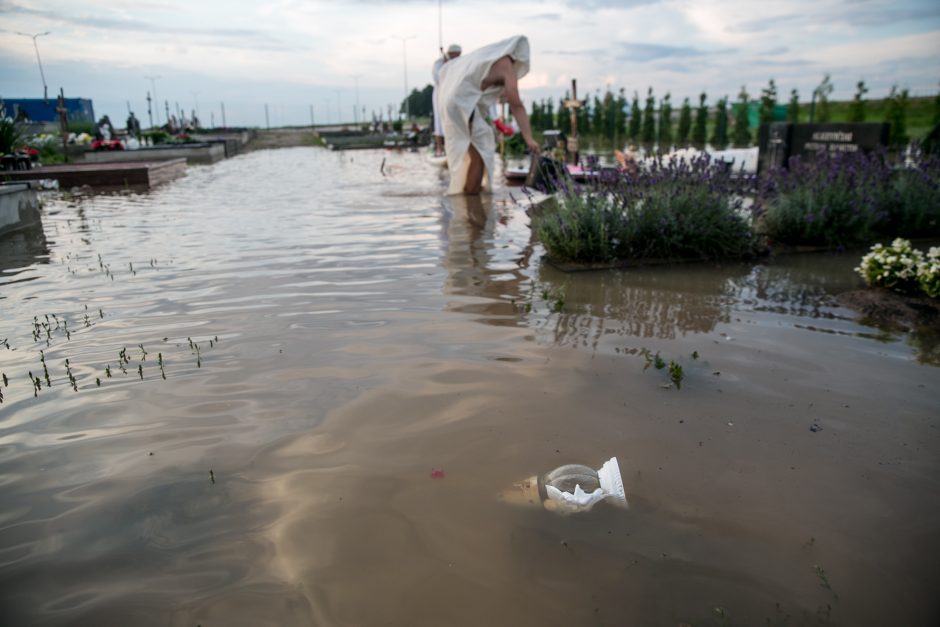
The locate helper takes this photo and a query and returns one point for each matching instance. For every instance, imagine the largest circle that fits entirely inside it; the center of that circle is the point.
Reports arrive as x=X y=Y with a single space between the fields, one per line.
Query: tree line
x=724 y=123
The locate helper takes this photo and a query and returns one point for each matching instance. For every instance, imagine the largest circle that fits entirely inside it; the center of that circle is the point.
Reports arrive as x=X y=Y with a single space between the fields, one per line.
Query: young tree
x=699 y=132
x=857 y=108
x=936 y=110
x=768 y=101
x=649 y=118
x=793 y=109
x=620 y=114
x=720 y=134
x=685 y=122
x=550 y=114
x=584 y=118
x=597 y=115
x=896 y=116
x=742 y=132
x=610 y=115
x=822 y=92
x=535 y=117
x=636 y=119
x=665 y=122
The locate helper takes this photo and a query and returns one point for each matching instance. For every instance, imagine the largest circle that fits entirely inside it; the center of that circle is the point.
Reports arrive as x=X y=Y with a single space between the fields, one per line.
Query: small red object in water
x=437 y=473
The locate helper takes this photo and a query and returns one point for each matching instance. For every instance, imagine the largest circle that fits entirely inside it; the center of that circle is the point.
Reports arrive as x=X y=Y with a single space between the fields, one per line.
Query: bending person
x=469 y=86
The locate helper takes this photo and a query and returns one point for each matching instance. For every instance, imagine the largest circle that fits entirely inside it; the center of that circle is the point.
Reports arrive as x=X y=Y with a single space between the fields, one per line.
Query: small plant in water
x=724 y=617
x=676 y=374
x=824 y=579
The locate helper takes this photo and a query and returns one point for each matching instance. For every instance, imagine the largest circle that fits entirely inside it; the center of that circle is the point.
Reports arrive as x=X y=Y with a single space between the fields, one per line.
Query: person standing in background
x=453 y=51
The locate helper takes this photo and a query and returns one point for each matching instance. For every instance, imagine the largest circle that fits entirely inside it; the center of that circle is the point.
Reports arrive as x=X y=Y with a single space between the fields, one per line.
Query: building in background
x=40 y=110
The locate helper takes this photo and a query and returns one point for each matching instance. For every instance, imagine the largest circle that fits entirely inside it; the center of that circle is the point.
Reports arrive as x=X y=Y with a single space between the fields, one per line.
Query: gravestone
x=778 y=141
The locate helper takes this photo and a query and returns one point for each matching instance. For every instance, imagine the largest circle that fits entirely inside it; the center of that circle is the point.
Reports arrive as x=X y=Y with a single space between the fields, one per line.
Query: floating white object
x=571 y=488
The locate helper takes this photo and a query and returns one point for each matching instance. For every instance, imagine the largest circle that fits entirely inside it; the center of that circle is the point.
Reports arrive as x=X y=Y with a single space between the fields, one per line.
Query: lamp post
x=196 y=110
x=153 y=88
x=339 y=109
x=356 y=111
x=45 y=90
x=404 y=56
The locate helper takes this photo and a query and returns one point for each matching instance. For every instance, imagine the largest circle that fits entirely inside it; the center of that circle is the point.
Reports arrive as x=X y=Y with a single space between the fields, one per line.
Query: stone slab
x=104 y=175
x=202 y=153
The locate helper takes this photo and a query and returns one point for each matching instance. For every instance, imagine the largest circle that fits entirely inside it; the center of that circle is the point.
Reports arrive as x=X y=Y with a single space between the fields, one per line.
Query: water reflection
x=371 y=331
x=662 y=302
x=486 y=251
x=22 y=248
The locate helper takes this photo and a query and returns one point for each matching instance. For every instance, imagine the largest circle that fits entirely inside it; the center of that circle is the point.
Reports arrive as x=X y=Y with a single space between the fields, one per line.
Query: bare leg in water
x=474 y=173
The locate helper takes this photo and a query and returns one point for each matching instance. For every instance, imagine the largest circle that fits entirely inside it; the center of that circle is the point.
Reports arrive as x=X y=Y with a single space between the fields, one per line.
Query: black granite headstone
x=778 y=141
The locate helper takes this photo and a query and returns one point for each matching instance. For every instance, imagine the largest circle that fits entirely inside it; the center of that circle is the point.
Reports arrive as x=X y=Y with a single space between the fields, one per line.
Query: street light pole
x=356 y=82
x=404 y=56
x=153 y=88
x=196 y=101
x=45 y=89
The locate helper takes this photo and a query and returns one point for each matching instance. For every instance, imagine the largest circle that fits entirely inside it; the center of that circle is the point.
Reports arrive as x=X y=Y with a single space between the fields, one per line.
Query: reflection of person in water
x=473 y=259
x=471 y=84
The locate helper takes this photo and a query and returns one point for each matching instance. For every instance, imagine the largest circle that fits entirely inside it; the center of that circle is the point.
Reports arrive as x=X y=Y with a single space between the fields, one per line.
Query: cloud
x=552 y=17
x=643 y=53
x=594 y=5
x=220 y=37
x=840 y=16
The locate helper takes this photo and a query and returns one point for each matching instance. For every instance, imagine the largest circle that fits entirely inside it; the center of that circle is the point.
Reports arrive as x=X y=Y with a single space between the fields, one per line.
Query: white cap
x=453 y=48
x=612 y=483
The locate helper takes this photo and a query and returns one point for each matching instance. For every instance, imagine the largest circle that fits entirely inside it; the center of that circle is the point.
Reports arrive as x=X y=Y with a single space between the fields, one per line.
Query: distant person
x=133 y=126
x=453 y=51
x=470 y=85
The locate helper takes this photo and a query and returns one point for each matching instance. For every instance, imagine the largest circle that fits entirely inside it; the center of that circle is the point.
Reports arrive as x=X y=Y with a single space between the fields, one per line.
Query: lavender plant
x=673 y=209
x=846 y=199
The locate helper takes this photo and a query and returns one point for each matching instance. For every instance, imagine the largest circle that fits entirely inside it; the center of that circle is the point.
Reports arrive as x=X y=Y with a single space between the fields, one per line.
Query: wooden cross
x=573 y=105
x=63 y=123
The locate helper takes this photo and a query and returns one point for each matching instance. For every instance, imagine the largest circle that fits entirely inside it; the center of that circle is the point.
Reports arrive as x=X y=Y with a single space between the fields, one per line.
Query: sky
x=327 y=55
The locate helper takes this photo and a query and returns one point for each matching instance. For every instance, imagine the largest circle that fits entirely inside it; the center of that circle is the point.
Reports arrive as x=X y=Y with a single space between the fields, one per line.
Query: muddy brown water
x=368 y=333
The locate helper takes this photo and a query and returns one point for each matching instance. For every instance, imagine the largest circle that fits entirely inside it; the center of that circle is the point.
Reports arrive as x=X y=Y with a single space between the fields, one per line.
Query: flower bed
x=902 y=268
x=849 y=199
x=671 y=210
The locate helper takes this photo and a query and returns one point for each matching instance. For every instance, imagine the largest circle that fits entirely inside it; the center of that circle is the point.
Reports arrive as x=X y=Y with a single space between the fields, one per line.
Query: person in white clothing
x=453 y=51
x=469 y=85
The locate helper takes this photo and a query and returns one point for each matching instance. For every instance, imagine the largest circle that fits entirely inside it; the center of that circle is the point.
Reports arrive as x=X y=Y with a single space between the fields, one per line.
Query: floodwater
x=353 y=332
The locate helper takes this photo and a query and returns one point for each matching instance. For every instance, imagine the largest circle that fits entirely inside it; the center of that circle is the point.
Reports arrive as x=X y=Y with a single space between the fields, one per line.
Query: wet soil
x=889 y=309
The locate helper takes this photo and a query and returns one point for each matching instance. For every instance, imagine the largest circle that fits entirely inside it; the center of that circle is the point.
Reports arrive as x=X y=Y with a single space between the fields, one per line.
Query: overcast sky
x=292 y=54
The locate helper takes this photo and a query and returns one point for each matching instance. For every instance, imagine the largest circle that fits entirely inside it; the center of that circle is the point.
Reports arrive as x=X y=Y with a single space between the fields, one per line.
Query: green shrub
x=670 y=210
x=157 y=137
x=849 y=198
x=10 y=136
